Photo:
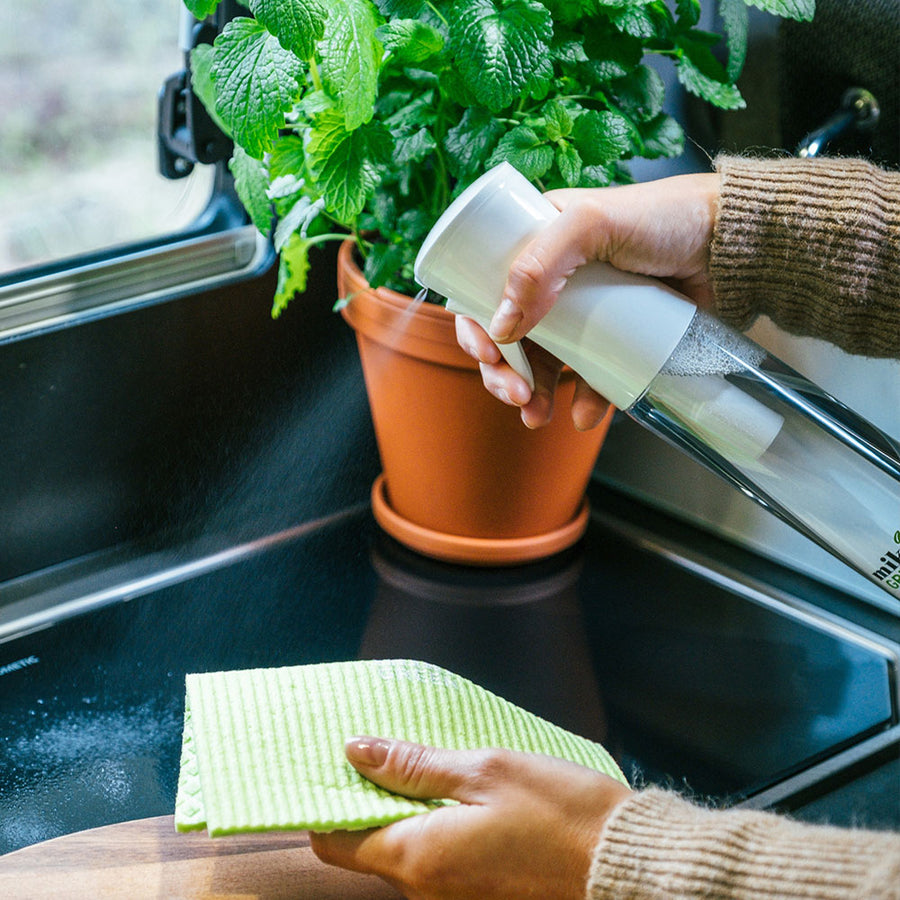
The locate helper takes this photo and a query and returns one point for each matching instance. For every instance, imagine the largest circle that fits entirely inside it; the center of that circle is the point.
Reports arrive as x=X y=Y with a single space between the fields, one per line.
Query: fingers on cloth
x=374 y=852
x=416 y=770
x=405 y=768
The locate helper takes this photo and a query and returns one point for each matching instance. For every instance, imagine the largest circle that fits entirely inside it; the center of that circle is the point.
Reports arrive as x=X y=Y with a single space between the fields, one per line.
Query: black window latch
x=186 y=134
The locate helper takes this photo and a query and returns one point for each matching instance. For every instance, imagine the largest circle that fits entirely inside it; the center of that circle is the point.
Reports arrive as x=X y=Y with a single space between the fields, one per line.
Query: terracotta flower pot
x=463 y=479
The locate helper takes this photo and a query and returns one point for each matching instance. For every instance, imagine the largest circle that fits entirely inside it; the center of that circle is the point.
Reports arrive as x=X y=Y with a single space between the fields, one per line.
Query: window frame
x=220 y=246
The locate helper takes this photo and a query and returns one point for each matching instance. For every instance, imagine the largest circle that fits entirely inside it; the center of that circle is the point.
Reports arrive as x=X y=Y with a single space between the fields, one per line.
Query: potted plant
x=360 y=120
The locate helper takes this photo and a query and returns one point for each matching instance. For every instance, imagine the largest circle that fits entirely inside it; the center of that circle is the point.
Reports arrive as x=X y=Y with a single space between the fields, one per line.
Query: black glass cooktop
x=685 y=681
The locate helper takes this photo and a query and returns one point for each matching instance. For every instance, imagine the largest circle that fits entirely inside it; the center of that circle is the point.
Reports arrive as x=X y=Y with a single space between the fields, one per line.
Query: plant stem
x=438 y=13
x=330 y=236
x=314 y=74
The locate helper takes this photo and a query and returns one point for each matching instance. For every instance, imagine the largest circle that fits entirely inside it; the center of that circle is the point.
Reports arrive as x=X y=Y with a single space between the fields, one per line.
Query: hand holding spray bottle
x=694 y=381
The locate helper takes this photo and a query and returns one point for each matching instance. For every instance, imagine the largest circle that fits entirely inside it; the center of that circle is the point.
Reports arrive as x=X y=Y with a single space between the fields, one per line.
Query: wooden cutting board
x=147 y=858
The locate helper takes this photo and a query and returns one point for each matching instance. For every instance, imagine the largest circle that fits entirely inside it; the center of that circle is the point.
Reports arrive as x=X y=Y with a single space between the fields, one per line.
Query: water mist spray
x=700 y=385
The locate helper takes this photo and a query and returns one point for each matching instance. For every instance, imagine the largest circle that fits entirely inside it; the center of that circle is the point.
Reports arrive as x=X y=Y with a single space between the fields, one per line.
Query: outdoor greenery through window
x=79 y=81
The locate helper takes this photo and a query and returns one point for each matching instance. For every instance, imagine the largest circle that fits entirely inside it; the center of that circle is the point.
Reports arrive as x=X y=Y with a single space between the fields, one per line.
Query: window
x=79 y=81
x=88 y=225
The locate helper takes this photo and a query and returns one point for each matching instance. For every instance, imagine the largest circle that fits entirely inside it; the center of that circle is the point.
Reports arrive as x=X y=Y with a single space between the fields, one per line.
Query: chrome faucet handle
x=859 y=111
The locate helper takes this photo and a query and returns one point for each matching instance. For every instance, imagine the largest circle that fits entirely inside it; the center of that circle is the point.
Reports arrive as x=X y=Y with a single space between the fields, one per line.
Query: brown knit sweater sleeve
x=812 y=244
x=658 y=846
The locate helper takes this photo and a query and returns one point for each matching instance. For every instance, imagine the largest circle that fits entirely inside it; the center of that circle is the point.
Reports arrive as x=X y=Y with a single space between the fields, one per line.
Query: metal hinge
x=186 y=134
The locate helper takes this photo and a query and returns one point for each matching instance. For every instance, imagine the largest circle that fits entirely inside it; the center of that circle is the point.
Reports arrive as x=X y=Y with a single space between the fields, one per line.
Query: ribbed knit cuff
x=657 y=845
x=814 y=245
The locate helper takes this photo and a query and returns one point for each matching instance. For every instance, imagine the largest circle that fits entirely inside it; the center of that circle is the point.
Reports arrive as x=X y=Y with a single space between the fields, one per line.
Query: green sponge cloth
x=264 y=748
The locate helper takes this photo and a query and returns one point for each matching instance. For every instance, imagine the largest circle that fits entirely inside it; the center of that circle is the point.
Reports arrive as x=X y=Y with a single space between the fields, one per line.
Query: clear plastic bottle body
x=783 y=441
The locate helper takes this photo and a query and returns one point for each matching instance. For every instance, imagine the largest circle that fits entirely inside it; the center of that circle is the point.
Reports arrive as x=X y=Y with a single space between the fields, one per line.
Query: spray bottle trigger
x=515 y=356
x=512 y=353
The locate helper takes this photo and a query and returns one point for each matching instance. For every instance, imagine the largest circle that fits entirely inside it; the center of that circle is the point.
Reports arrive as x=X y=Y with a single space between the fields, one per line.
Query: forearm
x=814 y=245
x=657 y=845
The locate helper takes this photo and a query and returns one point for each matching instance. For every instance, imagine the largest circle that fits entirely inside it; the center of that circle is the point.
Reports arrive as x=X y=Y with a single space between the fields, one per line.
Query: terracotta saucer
x=471 y=550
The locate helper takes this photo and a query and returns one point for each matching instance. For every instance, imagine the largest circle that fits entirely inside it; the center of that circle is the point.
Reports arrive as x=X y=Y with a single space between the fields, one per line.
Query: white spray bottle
x=700 y=385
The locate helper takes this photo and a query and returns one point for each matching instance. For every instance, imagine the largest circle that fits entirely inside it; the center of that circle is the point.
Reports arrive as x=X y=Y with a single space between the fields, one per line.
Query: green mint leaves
x=410 y=40
x=802 y=10
x=368 y=116
x=735 y=22
x=298 y=24
x=345 y=163
x=251 y=183
x=502 y=49
x=349 y=59
x=256 y=80
x=701 y=73
x=200 y=9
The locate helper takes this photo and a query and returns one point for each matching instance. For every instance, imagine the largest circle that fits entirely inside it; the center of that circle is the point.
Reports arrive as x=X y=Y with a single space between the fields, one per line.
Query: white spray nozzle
x=614 y=328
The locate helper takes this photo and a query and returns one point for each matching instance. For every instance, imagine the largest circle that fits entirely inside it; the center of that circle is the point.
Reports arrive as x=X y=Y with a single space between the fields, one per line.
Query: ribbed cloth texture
x=657 y=845
x=264 y=748
x=812 y=244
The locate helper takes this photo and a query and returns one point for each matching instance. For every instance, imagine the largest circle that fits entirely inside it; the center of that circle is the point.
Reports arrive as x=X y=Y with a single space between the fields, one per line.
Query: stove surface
x=689 y=679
